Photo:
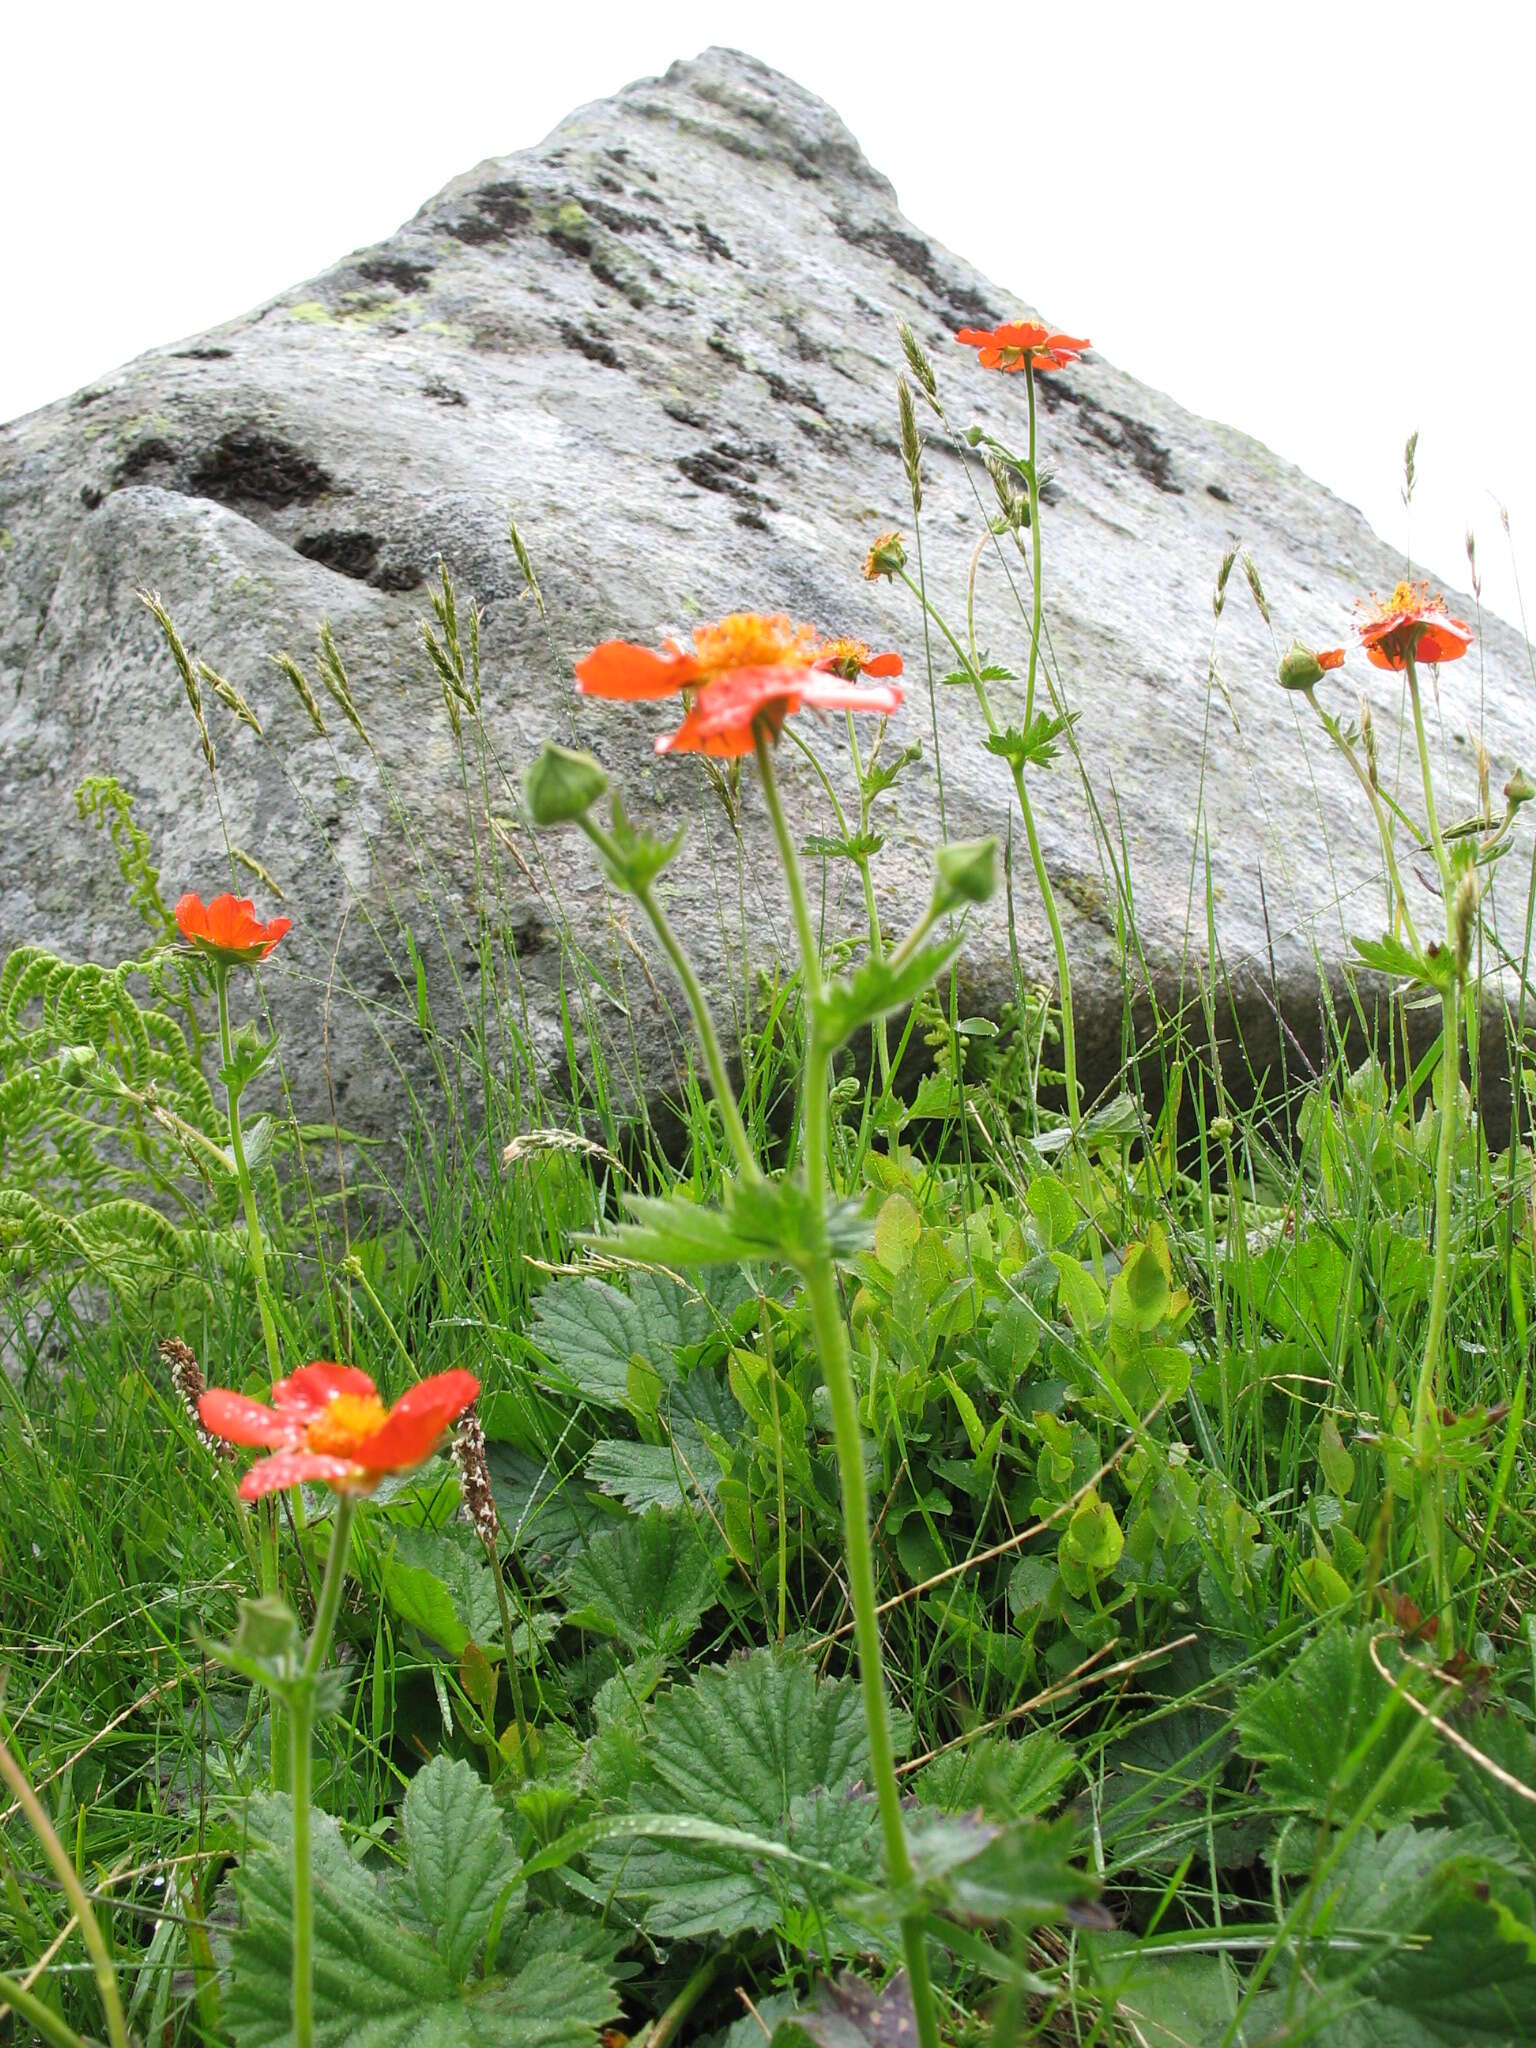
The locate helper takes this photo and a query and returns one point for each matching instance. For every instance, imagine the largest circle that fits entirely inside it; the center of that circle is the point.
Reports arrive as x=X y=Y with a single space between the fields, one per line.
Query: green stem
x=256 y=1258
x=301 y=1723
x=698 y=1005
x=74 y=1892
x=255 y=1252
x=1373 y=796
x=1034 y=533
x=1036 y=856
x=831 y=1337
x=1426 y=1399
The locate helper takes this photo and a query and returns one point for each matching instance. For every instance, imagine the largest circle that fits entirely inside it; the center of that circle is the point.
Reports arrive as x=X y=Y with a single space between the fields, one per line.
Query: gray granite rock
x=667 y=340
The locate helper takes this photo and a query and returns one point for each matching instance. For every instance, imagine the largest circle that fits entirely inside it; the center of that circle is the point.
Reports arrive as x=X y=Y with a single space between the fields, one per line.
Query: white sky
x=1311 y=221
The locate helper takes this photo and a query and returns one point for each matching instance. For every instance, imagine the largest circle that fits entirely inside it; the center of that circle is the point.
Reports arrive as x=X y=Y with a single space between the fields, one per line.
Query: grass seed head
x=302 y=690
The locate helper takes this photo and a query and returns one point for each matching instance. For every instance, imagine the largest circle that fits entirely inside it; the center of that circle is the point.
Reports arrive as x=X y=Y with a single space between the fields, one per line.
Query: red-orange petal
x=1330 y=657
x=240 y=1420
x=1444 y=640
x=293 y=1468
x=309 y=1391
x=883 y=665
x=417 y=1422
x=621 y=670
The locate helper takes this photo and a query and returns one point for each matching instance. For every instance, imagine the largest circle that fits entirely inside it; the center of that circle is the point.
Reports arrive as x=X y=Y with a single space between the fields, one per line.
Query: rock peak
x=666 y=339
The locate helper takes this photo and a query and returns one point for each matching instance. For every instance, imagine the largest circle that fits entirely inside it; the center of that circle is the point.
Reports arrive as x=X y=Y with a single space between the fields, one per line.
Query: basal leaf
x=461 y=1864
x=1007 y=1780
x=644 y=1580
x=378 y=1984
x=1303 y=1725
x=759 y=1747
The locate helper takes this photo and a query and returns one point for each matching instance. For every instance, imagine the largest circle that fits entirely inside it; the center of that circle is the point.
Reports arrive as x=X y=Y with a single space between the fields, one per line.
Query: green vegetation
x=947 y=1557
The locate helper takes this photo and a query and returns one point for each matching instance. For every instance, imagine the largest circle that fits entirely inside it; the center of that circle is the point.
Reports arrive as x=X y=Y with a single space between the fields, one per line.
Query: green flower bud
x=562 y=785
x=1299 y=668
x=966 y=872
x=1519 y=789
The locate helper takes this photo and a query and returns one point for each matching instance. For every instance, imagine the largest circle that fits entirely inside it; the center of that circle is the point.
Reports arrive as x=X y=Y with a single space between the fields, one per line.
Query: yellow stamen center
x=751 y=640
x=346 y=1425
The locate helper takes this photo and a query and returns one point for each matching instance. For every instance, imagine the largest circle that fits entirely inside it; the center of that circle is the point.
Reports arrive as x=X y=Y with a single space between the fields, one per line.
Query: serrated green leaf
x=876 y=989
x=442 y=1588
x=761 y=1748
x=1458 y=1961
x=1391 y=955
x=1304 y=1724
x=378 y=1982
x=547 y=1518
x=1033 y=746
x=461 y=1865
x=589 y=1330
x=849 y=846
x=1005 y=1780
x=646 y=1580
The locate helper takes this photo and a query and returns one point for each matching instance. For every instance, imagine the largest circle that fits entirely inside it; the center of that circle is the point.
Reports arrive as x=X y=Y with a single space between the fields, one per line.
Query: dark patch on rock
x=626 y=287
x=397 y=576
x=914 y=255
x=444 y=393
x=590 y=345
x=87 y=397
x=149 y=453
x=205 y=352
x=788 y=393
x=1219 y=492
x=249 y=467
x=475 y=229
x=727 y=350
x=399 y=271
x=750 y=516
x=1131 y=439
x=608 y=181
x=571 y=237
x=90 y=497
x=686 y=415
x=712 y=244
x=730 y=468
x=349 y=552
x=618 y=222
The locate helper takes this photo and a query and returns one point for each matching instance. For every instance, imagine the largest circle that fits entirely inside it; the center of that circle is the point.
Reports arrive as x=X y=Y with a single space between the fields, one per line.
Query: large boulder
x=666 y=340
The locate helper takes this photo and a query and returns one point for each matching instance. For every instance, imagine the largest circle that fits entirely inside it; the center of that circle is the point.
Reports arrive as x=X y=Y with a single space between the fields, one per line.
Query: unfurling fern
x=112 y=1161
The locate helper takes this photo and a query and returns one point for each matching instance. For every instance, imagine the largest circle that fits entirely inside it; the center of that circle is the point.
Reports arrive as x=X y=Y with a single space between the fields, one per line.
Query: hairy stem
x=301 y=1726
x=831 y=1337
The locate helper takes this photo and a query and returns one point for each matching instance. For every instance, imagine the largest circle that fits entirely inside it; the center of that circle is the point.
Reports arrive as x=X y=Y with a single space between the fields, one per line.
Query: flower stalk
x=830 y=1332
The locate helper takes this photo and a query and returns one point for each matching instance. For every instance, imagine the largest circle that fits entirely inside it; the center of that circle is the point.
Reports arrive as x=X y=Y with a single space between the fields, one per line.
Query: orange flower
x=1411 y=622
x=851 y=659
x=745 y=640
x=228 y=928
x=327 y=1424
x=1018 y=342
x=725 y=717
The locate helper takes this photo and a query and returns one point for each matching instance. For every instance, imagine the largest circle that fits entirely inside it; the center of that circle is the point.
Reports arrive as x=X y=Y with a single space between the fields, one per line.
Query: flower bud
x=888 y=557
x=1519 y=790
x=966 y=872
x=1299 y=668
x=562 y=785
